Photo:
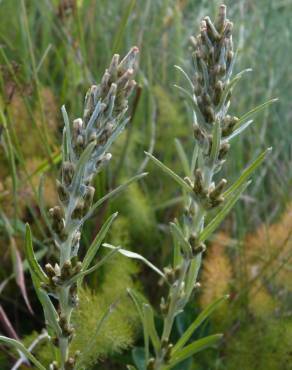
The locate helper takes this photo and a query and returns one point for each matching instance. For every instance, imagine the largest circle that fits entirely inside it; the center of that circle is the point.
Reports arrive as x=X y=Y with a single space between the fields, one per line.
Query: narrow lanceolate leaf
x=216 y=139
x=18 y=345
x=198 y=321
x=50 y=312
x=229 y=203
x=193 y=348
x=183 y=157
x=247 y=173
x=192 y=274
x=31 y=258
x=138 y=302
x=183 y=72
x=178 y=235
x=81 y=165
x=238 y=131
x=136 y=256
x=194 y=157
x=253 y=112
x=91 y=253
x=169 y=172
x=68 y=151
x=149 y=322
x=226 y=92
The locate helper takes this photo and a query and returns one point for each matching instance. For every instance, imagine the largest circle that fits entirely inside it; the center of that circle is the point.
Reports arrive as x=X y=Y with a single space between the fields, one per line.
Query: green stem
x=177 y=288
x=65 y=312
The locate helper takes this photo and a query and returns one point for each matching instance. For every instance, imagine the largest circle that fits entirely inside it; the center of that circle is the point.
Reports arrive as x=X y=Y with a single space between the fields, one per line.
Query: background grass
x=50 y=52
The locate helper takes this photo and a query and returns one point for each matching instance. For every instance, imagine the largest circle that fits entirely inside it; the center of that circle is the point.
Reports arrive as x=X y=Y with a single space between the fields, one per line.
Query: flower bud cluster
x=209 y=197
x=213 y=57
x=105 y=107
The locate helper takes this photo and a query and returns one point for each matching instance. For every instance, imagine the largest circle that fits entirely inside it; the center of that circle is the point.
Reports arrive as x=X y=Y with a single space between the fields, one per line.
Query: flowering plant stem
x=211 y=91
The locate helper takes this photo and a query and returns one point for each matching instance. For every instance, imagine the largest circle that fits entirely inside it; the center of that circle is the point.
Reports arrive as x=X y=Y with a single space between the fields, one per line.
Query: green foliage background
x=49 y=54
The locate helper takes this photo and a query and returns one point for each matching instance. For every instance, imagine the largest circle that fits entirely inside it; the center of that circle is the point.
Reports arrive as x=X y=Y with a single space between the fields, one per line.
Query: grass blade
x=18 y=345
x=123 y=24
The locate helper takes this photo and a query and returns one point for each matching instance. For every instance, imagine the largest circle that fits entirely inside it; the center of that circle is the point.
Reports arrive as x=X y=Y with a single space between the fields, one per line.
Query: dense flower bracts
x=84 y=152
x=86 y=143
x=213 y=58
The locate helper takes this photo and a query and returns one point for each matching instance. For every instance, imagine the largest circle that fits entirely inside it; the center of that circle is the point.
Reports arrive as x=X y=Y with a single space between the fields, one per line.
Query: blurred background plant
x=50 y=51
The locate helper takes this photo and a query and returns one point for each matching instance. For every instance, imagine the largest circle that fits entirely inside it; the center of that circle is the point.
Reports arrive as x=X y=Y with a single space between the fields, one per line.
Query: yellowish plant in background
x=268 y=252
x=217 y=274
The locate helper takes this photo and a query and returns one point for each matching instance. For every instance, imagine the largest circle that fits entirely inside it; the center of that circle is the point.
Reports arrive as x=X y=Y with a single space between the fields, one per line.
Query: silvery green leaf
x=192 y=274
x=253 y=111
x=136 y=256
x=65 y=152
x=197 y=322
x=113 y=136
x=68 y=151
x=185 y=76
x=216 y=140
x=50 y=312
x=238 y=131
x=172 y=174
x=230 y=86
x=185 y=93
x=93 y=118
x=81 y=166
x=230 y=69
x=92 y=250
x=226 y=92
x=150 y=325
x=183 y=157
x=227 y=206
x=179 y=236
x=34 y=266
x=19 y=346
x=205 y=73
x=194 y=158
x=192 y=349
x=139 y=306
x=241 y=73
x=247 y=173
